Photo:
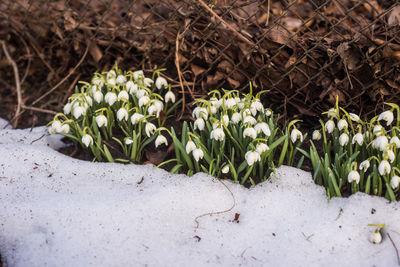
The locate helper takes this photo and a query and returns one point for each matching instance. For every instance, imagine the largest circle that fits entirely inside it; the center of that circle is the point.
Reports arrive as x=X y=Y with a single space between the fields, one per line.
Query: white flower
x=296 y=134
x=359 y=138
x=212 y=109
x=386 y=116
x=67 y=108
x=149 y=129
x=268 y=112
x=140 y=93
x=131 y=87
x=128 y=141
x=218 y=134
x=56 y=127
x=199 y=112
x=136 y=117
x=257 y=105
x=225 y=169
x=154 y=110
x=87 y=140
x=353 y=176
x=161 y=82
x=261 y=148
x=122 y=114
x=111 y=74
x=354 y=117
x=249 y=120
x=262 y=126
x=384 y=167
x=98 y=96
x=112 y=81
x=123 y=96
x=230 y=103
x=394 y=182
x=169 y=97
x=101 y=121
x=250 y=132
x=138 y=74
x=342 y=124
x=144 y=100
x=332 y=113
x=389 y=154
x=396 y=141
x=65 y=128
x=252 y=157
x=236 y=117
x=329 y=126
x=110 y=98
x=161 y=140
x=190 y=146
x=78 y=111
x=198 y=154
x=343 y=139
x=376 y=237
x=98 y=81
x=246 y=113
x=121 y=79
x=225 y=120
x=378 y=130
x=364 y=165
x=216 y=124
x=381 y=143
x=199 y=124
x=316 y=135
x=148 y=82
x=88 y=100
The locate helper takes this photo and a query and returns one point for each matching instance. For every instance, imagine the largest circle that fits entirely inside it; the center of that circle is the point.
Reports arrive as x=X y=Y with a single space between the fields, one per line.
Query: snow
x=59 y=211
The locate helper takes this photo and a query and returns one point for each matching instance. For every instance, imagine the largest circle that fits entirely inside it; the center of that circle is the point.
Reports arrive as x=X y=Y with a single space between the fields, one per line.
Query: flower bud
x=67 y=108
x=376 y=237
x=225 y=169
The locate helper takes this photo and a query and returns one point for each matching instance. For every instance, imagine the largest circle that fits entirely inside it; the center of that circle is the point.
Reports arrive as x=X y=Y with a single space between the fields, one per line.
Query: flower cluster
x=122 y=108
x=366 y=153
x=230 y=134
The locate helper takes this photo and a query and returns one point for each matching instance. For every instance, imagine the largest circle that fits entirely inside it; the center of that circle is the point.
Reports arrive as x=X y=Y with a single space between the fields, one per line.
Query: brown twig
x=17 y=82
x=394 y=245
x=178 y=69
x=268 y=10
x=39 y=110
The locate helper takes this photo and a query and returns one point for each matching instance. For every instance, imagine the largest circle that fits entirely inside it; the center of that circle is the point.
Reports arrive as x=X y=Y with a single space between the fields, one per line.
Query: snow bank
x=59 y=211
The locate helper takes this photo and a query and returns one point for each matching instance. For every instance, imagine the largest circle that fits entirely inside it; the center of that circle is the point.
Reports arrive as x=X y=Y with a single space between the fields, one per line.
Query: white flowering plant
x=357 y=155
x=231 y=136
x=117 y=113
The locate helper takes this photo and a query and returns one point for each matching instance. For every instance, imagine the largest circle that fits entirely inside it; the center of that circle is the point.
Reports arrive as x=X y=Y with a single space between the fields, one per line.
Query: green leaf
x=108 y=154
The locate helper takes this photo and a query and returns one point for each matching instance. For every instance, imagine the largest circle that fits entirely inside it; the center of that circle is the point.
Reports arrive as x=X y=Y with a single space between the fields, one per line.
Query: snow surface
x=59 y=211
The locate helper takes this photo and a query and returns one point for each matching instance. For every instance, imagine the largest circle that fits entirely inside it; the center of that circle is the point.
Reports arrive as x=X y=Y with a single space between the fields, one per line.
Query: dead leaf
x=394 y=17
x=95 y=52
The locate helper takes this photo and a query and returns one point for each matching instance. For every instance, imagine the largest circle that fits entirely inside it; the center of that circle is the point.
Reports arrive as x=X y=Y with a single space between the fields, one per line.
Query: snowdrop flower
x=136 y=117
x=55 y=127
x=316 y=135
x=218 y=134
x=250 y=132
x=257 y=105
x=268 y=112
x=98 y=96
x=78 y=111
x=161 y=140
x=153 y=110
x=386 y=116
x=332 y=113
x=376 y=237
x=261 y=148
x=236 y=117
x=394 y=182
x=378 y=130
x=359 y=138
x=389 y=154
x=396 y=141
x=364 y=165
x=149 y=129
x=67 y=108
x=128 y=141
x=138 y=74
x=198 y=154
x=212 y=109
x=111 y=74
x=98 y=81
x=225 y=120
x=112 y=81
x=249 y=120
x=122 y=114
x=354 y=117
x=384 y=167
x=216 y=124
x=343 y=139
x=123 y=96
x=169 y=97
x=246 y=113
x=110 y=98
x=262 y=126
x=121 y=79
x=353 y=176
x=190 y=146
x=381 y=143
x=161 y=82
x=158 y=104
x=144 y=100
x=214 y=102
x=200 y=112
x=140 y=93
x=342 y=124
x=199 y=124
x=225 y=169
x=101 y=120
x=87 y=140
x=131 y=87
x=147 y=82
x=65 y=128
x=88 y=100
x=252 y=157
x=230 y=103
x=329 y=126
x=296 y=134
